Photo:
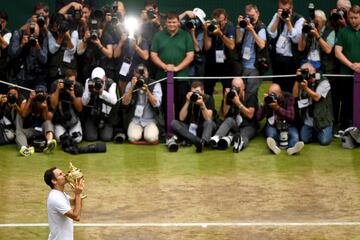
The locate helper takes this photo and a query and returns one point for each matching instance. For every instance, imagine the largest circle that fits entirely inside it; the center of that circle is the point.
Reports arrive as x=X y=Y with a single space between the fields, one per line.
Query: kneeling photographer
x=143 y=107
x=239 y=126
x=66 y=101
x=11 y=104
x=100 y=95
x=195 y=122
x=315 y=105
x=280 y=130
x=34 y=129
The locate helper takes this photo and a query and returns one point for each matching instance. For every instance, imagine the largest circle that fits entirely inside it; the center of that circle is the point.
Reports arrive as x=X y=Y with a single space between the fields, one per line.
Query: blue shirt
x=249 y=42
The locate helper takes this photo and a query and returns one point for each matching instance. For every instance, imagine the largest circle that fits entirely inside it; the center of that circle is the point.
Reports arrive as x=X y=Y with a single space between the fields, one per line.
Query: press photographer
x=62 y=47
x=338 y=16
x=239 y=126
x=5 y=36
x=28 y=52
x=317 y=42
x=315 y=105
x=251 y=43
x=143 y=107
x=280 y=130
x=11 y=104
x=66 y=101
x=100 y=98
x=195 y=124
x=34 y=129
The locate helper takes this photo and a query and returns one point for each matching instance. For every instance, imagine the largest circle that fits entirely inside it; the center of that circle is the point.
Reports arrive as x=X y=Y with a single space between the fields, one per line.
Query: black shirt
x=194 y=112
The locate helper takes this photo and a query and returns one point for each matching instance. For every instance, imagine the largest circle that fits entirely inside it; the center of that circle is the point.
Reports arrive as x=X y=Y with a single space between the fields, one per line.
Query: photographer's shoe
x=296 y=148
x=272 y=145
x=199 y=146
x=238 y=144
x=25 y=151
x=50 y=146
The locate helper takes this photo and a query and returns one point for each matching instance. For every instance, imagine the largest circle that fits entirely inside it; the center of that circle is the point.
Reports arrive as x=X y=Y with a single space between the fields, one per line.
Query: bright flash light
x=131 y=26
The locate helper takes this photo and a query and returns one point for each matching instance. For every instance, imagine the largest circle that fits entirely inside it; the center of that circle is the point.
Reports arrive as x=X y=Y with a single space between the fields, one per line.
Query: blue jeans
x=309 y=134
x=293 y=135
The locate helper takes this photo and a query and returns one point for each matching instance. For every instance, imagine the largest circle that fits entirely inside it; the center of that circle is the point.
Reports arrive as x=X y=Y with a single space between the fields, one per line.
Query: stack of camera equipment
x=310 y=26
x=283 y=128
x=69 y=145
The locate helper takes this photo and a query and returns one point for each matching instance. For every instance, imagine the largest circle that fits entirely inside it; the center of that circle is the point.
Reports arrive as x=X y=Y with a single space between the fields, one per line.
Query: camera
x=308 y=27
x=63 y=27
x=11 y=98
x=213 y=25
x=150 y=13
x=285 y=13
x=95 y=84
x=230 y=96
x=262 y=64
x=191 y=23
x=311 y=9
x=195 y=96
x=116 y=18
x=69 y=145
x=270 y=98
x=283 y=128
x=140 y=70
x=305 y=75
x=32 y=38
x=94 y=33
x=40 y=19
x=120 y=138
x=77 y=15
x=40 y=97
x=339 y=14
x=172 y=144
x=244 y=22
x=68 y=84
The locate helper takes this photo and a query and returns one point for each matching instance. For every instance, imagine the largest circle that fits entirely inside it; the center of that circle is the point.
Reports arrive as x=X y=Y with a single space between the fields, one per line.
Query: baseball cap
x=200 y=14
x=98 y=72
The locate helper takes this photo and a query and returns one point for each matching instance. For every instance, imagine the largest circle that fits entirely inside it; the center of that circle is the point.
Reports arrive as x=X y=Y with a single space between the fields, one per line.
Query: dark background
x=20 y=10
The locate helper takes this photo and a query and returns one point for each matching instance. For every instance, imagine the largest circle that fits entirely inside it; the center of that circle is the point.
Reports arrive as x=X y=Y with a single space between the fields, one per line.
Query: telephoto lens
x=195 y=96
x=285 y=13
x=172 y=144
x=270 y=98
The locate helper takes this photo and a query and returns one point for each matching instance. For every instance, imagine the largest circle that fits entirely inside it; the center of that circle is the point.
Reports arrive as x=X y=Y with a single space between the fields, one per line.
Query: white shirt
x=61 y=227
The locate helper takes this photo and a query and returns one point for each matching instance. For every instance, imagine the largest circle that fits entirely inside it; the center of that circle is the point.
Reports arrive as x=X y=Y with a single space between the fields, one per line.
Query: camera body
x=230 y=96
x=191 y=23
x=212 y=27
x=304 y=75
x=285 y=13
x=195 y=96
x=40 y=96
x=68 y=84
x=32 y=38
x=340 y=13
x=95 y=84
x=11 y=98
x=140 y=70
x=246 y=21
x=94 y=33
x=308 y=27
x=270 y=98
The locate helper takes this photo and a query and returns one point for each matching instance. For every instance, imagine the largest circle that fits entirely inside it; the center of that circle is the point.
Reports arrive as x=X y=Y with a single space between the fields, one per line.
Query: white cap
x=98 y=72
x=200 y=14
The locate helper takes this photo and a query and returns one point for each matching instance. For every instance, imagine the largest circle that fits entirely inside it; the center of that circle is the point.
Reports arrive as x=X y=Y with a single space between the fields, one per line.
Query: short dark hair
x=287 y=2
x=152 y=3
x=70 y=72
x=196 y=84
x=217 y=12
x=172 y=15
x=41 y=5
x=48 y=176
x=4 y=15
x=251 y=6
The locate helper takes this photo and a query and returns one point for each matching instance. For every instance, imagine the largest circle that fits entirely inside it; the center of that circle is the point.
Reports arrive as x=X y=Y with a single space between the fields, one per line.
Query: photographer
x=238 y=110
x=339 y=16
x=195 y=122
x=317 y=42
x=285 y=32
x=34 y=126
x=66 y=101
x=251 y=39
x=11 y=104
x=100 y=94
x=143 y=107
x=315 y=106
x=280 y=130
x=28 y=52
x=151 y=20
x=219 y=46
x=5 y=36
x=96 y=48
x=62 y=47
x=192 y=22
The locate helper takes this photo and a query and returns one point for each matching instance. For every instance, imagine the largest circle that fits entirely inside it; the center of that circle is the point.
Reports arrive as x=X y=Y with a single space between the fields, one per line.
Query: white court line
x=193 y=225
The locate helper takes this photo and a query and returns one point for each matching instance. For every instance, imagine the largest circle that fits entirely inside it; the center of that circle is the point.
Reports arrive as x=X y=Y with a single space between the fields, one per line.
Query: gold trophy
x=73 y=175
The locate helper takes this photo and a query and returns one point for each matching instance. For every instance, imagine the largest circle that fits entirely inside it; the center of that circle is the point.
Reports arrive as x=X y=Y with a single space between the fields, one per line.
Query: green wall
x=20 y=10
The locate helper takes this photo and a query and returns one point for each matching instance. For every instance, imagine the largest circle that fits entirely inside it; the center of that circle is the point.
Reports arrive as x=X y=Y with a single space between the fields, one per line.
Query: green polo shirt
x=349 y=39
x=172 y=49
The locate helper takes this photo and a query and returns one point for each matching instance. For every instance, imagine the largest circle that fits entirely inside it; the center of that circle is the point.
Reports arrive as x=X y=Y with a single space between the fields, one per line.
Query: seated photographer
x=28 y=52
x=280 y=130
x=66 y=101
x=315 y=105
x=62 y=47
x=34 y=129
x=195 y=123
x=238 y=109
x=100 y=94
x=143 y=106
x=11 y=104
